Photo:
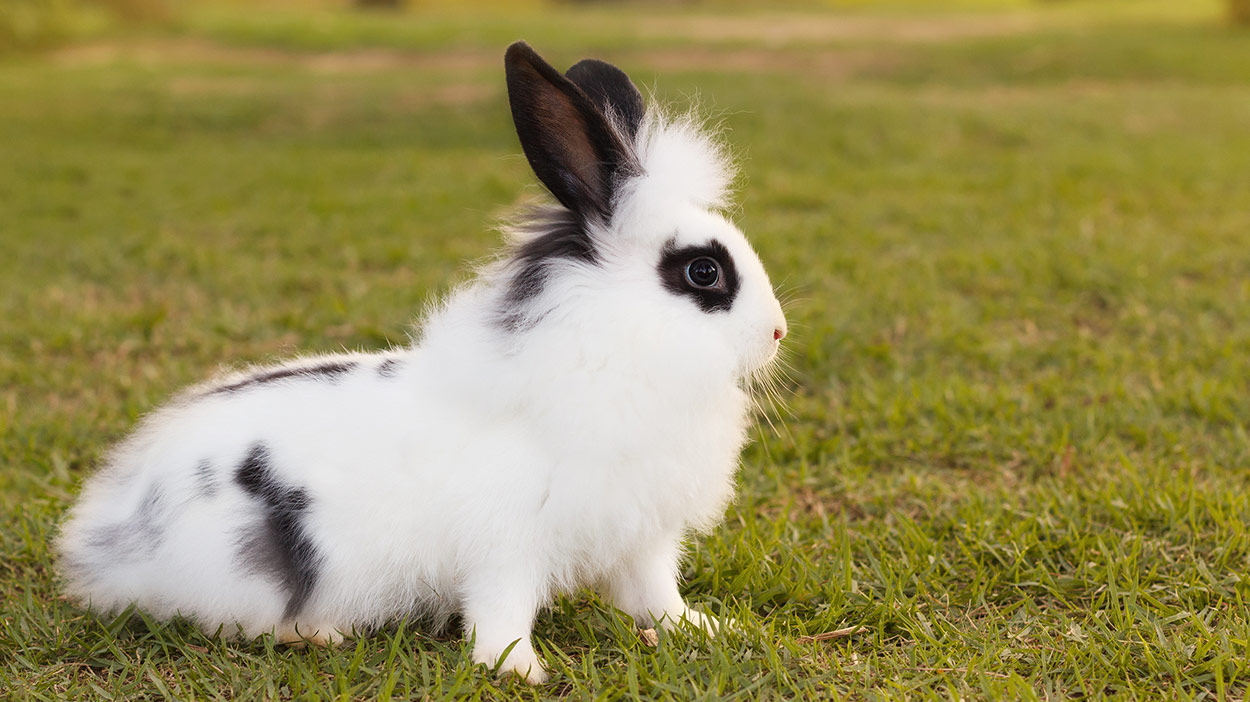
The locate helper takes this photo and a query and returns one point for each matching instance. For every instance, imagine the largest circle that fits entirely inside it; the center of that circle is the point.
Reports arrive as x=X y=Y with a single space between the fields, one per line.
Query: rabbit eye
x=703 y=272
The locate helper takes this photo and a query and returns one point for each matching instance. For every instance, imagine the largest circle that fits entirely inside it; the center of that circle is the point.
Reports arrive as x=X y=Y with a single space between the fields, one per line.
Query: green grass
x=1016 y=449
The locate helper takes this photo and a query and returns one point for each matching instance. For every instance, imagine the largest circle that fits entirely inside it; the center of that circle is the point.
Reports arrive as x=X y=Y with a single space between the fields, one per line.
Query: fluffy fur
x=522 y=447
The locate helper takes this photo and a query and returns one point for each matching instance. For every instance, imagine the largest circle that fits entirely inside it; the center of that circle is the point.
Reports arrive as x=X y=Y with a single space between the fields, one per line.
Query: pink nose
x=778 y=335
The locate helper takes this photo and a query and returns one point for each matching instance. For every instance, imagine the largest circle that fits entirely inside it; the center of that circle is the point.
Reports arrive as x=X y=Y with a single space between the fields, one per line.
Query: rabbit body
x=422 y=485
x=527 y=444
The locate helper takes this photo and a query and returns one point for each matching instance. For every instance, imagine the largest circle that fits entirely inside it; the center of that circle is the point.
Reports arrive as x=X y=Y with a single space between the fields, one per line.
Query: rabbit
x=562 y=421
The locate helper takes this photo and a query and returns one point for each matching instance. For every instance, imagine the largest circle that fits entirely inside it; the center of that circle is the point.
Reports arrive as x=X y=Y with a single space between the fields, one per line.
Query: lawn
x=1012 y=460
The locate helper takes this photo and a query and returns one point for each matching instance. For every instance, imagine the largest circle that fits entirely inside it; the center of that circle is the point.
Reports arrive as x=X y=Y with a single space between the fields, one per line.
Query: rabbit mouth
x=763 y=373
x=766 y=381
x=765 y=386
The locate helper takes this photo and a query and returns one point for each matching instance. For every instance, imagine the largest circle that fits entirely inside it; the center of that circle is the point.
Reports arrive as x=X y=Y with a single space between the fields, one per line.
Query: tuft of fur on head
x=683 y=160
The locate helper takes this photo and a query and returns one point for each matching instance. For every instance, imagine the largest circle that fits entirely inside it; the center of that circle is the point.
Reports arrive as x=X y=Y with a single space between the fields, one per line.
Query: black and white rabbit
x=562 y=421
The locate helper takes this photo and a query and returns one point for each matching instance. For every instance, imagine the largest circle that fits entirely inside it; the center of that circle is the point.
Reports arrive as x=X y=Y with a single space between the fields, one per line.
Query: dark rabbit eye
x=703 y=272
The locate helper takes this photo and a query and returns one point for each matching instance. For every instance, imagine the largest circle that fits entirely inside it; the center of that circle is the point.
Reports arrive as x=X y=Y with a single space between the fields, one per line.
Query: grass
x=1016 y=446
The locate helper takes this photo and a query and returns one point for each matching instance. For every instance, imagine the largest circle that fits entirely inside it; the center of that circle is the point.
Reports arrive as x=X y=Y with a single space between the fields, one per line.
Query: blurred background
x=39 y=23
x=979 y=208
x=1012 y=236
x=34 y=23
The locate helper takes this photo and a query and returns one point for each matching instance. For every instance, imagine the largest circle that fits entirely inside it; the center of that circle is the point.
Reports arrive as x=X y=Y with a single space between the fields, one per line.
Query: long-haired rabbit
x=561 y=422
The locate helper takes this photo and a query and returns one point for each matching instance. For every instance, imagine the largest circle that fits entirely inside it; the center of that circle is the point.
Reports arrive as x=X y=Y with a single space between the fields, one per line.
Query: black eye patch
x=704 y=273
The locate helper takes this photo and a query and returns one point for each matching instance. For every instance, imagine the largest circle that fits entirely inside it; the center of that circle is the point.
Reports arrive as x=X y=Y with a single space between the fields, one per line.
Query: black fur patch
x=553 y=233
x=280 y=546
x=672 y=268
x=329 y=371
x=389 y=368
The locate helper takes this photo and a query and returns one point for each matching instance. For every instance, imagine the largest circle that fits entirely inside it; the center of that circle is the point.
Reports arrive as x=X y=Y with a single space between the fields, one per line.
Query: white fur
x=496 y=470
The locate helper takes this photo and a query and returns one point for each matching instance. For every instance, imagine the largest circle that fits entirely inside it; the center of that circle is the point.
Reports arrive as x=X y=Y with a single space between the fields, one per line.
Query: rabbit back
x=270 y=498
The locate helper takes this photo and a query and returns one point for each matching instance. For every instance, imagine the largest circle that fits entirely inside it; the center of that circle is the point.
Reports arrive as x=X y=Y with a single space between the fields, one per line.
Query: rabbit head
x=640 y=227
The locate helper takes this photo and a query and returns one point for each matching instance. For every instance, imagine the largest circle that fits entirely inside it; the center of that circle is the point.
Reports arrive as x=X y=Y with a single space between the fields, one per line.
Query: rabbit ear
x=570 y=144
x=611 y=90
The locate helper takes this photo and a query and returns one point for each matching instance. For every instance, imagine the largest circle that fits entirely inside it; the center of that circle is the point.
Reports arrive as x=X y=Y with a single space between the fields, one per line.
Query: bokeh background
x=1010 y=456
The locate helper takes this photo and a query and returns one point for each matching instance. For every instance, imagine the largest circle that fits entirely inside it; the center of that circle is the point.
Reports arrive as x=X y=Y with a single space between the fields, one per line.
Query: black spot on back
x=672 y=269
x=329 y=371
x=280 y=546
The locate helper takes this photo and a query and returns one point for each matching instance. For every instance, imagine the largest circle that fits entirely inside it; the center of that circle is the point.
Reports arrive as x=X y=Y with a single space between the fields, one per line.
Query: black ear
x=611 y=90
x=570 y=145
